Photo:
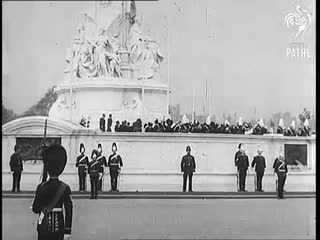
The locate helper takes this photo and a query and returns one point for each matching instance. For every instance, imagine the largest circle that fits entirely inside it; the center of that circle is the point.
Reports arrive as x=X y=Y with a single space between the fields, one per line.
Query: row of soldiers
x=96 y=169
x=53 y=194
x=241 y=162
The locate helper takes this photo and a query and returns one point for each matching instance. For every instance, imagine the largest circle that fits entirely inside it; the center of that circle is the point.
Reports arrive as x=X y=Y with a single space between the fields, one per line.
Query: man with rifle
x=43 y=150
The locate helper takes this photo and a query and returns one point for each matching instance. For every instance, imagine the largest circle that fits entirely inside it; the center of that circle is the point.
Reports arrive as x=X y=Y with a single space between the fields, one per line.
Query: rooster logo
x=301 y=19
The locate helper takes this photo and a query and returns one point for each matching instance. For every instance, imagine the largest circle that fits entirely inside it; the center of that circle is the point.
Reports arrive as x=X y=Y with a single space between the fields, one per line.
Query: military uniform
x=117 y=127
x=281 y=169
x=259 y=163
x=114 y=163
x=82 y=164
x=102 y=123
x=58 y=226
x=188 y=166
x=103 y=161
x=16 y=167
x=236 y=156
x=93 y=170
x=47 y=194
x=109 y=124
x=242 y=163
x=177 y=128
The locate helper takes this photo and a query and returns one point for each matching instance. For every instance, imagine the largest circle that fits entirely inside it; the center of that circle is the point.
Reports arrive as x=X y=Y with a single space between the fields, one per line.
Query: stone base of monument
x=125 y=99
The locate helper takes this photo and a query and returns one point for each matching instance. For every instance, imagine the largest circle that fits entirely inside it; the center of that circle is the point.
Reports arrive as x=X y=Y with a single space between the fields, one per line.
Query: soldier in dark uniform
x=242 y=164
x=169 y=125
x=51 y=196
x=16 y=168
x=115 y=163
x=184 y=128
x=93 y=170
x=102 y=159
x=103 y=123
x=137 y=125
x=117 y=126
x=82 y=164
x=109 y=123
x=149 y=127
x=188 y=167
x=260 y=164
x=235 y=162
x=213 y=127
x=240 y=128
x=280 y=169
x=237 y=153
x=280 y=128
x=177 y=127
x=156 y=127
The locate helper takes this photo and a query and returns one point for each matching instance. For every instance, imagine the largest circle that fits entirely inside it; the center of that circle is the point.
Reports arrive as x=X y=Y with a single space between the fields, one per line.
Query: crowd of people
x=185 y=126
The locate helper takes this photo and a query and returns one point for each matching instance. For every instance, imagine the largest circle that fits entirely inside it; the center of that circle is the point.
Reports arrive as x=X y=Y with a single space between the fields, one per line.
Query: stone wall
x=152 y=160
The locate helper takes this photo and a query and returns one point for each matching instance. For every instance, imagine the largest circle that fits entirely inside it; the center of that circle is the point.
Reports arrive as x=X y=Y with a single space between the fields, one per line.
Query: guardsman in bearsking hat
x=82 y=164
x=280 y=170
x=16 y=167
x=259 y=163
x=51 y=196
x=188 y=167
x=103 y=161
x=242 y=164
x=114 y=163
x=93 y=170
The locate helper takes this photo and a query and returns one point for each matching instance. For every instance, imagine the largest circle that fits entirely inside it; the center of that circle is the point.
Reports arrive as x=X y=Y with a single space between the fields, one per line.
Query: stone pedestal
x=125 y=99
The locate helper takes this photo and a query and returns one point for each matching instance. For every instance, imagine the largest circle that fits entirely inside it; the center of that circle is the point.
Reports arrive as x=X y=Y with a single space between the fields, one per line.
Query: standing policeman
x=242 y=163
x=238 y=153
x=280 y=169
x=102 y=159
x=16 y=168
x=260 y=164
x=188 y=166
x=93 y=170
x=115 y=164
x=82 y=164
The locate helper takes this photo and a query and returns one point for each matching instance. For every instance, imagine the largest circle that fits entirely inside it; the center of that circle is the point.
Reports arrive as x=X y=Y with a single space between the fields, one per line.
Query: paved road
x=169 y=195
x=292 y=218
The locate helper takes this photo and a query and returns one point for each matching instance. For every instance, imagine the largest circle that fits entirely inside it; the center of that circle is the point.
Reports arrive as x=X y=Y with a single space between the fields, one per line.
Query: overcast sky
x=240 y=49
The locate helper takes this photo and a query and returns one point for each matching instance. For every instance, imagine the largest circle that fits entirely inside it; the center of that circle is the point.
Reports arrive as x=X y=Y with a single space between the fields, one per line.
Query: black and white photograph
x=159 y=119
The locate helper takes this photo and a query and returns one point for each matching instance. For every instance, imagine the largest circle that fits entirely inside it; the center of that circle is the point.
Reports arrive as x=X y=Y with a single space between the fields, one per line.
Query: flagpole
x=192 y=104
x=168 y=77
x=95 y=11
